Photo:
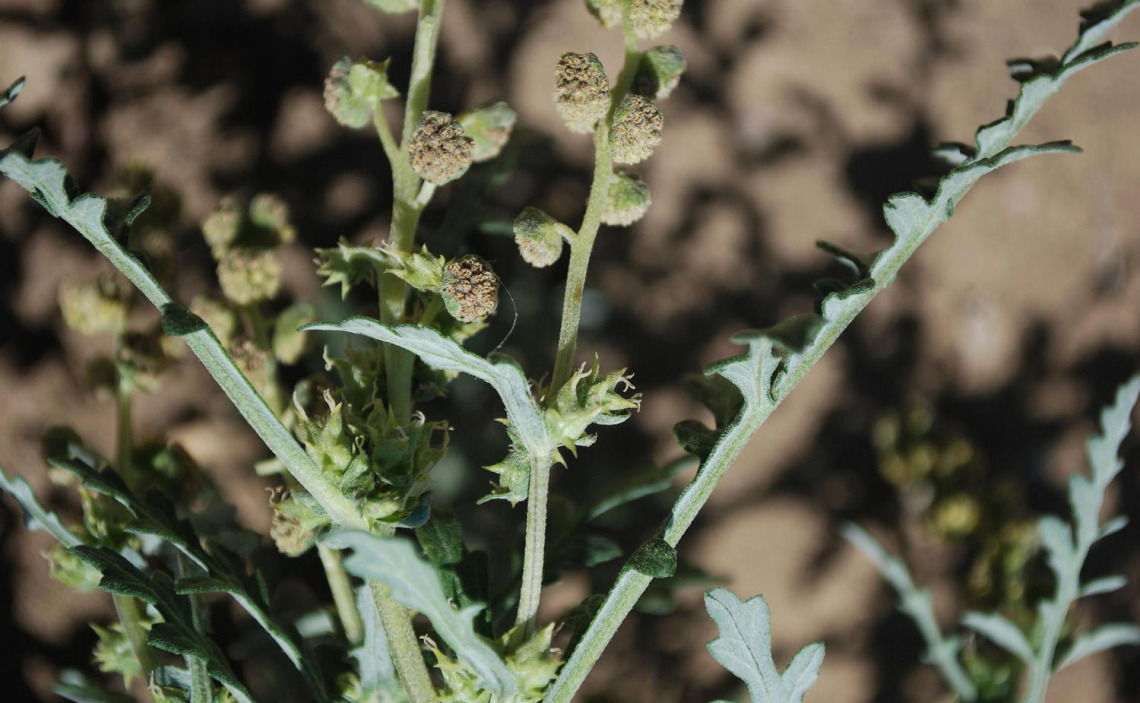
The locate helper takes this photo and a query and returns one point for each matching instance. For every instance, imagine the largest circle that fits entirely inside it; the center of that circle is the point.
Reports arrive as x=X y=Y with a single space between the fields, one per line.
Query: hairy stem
x=201 y=690
x=343 y=596
x=581 y=247
x=404 y=646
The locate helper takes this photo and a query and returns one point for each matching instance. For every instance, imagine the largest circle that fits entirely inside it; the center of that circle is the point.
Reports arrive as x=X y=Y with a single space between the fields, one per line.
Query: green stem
x=343 y=595
x=423 y=61
x=581 y=247
x=404 y=646
x=201 y=690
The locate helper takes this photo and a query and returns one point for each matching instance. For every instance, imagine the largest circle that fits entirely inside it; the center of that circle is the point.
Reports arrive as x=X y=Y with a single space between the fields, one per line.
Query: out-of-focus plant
x=353 y=446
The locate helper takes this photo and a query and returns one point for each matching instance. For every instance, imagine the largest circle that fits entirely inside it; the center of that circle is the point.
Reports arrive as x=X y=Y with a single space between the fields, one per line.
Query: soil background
x=796 y=120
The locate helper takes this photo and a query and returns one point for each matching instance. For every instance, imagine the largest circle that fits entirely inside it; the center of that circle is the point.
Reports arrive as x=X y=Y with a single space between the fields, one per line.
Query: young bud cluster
x=636 y=130
x=97 y=305
x=249 y=275
x=627 y=200
x=659 y=72
x=581 y=91
x=271 y=213
x=355 y=89
x=650 y=18
x=490 y=128
x=539 y=237
x=470 y=289
x=221 y=228
x=440 y=150
x=608 y=12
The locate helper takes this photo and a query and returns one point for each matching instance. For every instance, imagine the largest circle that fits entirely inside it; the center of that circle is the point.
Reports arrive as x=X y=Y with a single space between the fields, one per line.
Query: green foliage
x=745 y=648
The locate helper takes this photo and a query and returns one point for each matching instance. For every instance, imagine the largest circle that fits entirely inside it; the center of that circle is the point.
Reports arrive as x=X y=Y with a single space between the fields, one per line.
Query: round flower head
x=249 y=275
x=490 y=127
x=659 y=72
x=627 y=200
x=636 y=130
x=581 y=91
x=272 y=213
x=221 y=228
x=539 y=237
x=97 y=305
x=470 y=289
x=650 y=18
x=440 y=150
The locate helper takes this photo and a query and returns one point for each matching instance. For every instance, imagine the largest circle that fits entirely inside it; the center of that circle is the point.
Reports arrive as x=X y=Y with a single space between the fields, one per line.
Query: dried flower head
x=636 y=130
x=659 y=72
x=490 y=127
x=439 y=148
x=355 y=89
x=95 y=305
x=249 y=275
x=539 y=237
x=627 y=200
x=581 y=91
x=470 y=289
x=650 y=18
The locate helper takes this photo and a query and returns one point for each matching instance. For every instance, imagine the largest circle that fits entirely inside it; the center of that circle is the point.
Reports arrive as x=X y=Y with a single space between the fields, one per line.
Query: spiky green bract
x=113 y=653
x=346 y=265
x=941 y=650
x=659 y=72
x=745 y=648
x=504 y=375
x=489 y=127
x=413 y=583
x=355 y=89
x=765 y=378
x=588 y=398
x=532 y=662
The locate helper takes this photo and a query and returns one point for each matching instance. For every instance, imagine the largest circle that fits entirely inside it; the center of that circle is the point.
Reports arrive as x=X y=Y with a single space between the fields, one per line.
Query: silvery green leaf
x=75 y=687
x=36 y=516
x=1100 y=639
x=1001 y=632
x=439 y=352
x=373 y=659
x=745 y=649
x=414 y=584
x=12 y=92
x=1107 y=584
x=1112 y=526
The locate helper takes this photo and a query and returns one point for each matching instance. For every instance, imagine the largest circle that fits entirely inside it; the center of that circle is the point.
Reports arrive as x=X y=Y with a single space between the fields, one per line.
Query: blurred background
x=945 y=419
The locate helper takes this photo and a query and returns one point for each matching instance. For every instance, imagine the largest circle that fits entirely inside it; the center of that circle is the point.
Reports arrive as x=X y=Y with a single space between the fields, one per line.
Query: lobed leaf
x=36 y=516
x=1103 y=638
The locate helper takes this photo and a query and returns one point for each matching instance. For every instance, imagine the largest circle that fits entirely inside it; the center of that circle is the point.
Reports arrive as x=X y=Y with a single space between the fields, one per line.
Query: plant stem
x=404 y=646
x=201 y=690
x=581 y=247
x=342 y=593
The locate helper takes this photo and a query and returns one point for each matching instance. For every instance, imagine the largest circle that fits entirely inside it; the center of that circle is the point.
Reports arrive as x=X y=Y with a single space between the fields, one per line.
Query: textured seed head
x=650 y=18
x=354 y=90
x=440 y=150
x=659 y=72
x=608 y=12
x=97 y=305
x=581 y=91
x=470 y=289
x=627 y=200
x=490 y=128
x=539 y=237
x=249 y=275
x=222 y=227
x=636 y=130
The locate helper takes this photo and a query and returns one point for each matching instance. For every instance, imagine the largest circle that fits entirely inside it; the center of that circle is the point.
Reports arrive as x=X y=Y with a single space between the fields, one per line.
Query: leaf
x=12 y=92
x=1107 y=584
x=656 y=558
x=36 y=516
x=75 y=687
x=745 y=649
x=502 y=374
x=374 y=662
x=393 y=6
x=1001 y=632
x=413 y=583
x=638 y=484
x=1103 y=638
x=176 y=634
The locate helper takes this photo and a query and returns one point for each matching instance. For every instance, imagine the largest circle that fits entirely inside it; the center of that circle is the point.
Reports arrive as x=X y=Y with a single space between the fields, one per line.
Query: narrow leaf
x=36 y=516
x=1108 y=584
x=1099 y=640
x=1001 y=632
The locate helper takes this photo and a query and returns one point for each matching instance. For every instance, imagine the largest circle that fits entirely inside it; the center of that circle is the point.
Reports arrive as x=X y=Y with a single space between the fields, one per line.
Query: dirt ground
x=795 y=121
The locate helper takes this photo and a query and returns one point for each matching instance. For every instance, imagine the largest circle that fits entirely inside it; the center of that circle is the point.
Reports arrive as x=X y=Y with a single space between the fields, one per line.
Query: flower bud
x=539 y=237
x=97 y=305
x=470 y=289
x=608 y=12
x=249 y=275
x=649 y=18
x=270 y=212
x=581 y=91
x=636 y=130
x=355 y=89
x=439 y=148
x=222 y=227
x=219 y=315
x=627 y=200
x=490 y=127
x=659 y=72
